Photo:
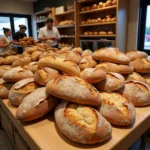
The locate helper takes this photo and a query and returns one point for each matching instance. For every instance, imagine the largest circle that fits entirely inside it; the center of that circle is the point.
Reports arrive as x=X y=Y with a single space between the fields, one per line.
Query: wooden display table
x=43 y=134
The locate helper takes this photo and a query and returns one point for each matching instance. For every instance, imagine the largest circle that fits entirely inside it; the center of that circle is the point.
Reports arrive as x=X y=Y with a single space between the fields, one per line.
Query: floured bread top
x=112 y=75
x=14 y=70
x=43 y=74
x=82 y=116
x=102 y=65
x=32 y=63
x=116 y=100
x=5 y=67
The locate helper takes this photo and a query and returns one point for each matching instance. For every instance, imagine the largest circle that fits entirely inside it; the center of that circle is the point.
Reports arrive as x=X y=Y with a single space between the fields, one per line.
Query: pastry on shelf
x=110 y=33
x=108 y=16
x=100 y=5
x=83 y=22
x=108 y=3
x=114 y=2
x=103 y=20
x=113 y=19
x=95 y=6
x=86 y=33
x=95 y=33
x=88 y=8
x=83 y=9
x=99 y=20
x=94 y=21
x=90 y=33
x=102 y=33
x=108 y=20
x=89 y=21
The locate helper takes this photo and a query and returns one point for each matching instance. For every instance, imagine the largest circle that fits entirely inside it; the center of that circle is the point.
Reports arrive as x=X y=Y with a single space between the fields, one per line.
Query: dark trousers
x=20 y=50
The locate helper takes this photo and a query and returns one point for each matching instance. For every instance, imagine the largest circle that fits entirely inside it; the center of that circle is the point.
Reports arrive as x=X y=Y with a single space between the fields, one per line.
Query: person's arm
x=15 y=37
x=42 y=38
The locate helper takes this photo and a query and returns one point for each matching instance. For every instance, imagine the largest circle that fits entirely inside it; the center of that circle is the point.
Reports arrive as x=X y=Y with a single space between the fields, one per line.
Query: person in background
x=20 y=35
x=49 y=34
x=5 y=41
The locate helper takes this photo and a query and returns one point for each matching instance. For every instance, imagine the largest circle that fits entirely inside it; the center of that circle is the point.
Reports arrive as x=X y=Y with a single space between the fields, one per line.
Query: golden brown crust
x=21 y=61
x=1 y=60
x=10 y=59
x=87 y=52
x=3 y=69
x=147 y=78
x=35 y=55
x=33 y=66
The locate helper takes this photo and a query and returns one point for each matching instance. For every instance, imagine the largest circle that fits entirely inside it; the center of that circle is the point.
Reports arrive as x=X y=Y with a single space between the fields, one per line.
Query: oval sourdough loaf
x=3 y=69
x=32 y=66
x=147 y=78
x=77 y=50
x=81 y=123
x=87 y=52
x=73 y=89
x=117 y=109
x=10 y=59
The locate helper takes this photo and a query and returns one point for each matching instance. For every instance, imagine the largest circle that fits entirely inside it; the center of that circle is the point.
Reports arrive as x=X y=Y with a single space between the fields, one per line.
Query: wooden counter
x=43 y=134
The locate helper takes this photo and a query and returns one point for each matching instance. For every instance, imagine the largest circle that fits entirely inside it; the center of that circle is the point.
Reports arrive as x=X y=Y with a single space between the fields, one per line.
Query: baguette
x=21 y=62
x=73 y=89
x=3 y=69
x=32 y=66
x=35 y=55
x=10 y=59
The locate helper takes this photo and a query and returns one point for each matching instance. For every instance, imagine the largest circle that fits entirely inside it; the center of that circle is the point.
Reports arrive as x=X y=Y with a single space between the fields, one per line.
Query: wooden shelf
x=71 y=36
x=65 y=13
x=66 y=26
x=44 y=11
x=98 y=10
x=97 y=35
x=97 y=24
x=86 y=1
x=41 y=21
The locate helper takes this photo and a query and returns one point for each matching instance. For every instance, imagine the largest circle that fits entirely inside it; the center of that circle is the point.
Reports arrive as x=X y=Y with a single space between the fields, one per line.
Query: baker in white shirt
x=49 y=34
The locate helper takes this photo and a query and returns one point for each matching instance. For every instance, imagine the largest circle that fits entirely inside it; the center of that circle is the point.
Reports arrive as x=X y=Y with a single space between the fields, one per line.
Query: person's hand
x=49 y=38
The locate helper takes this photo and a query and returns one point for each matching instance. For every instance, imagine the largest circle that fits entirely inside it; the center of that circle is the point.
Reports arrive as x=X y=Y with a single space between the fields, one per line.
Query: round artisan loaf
x=113 y=82
x=45 y=74
x=117 y=109
x=32 y=66
x=10 y=59
x=16 y=74
x=87 y=52
x=93 y=75
x=1 y=60
x=73 y=89
x=141 y=65
x=62 y=64
x=135 y=76
x=74 y=120
x=35 y=105
x=134 y=54
x=147 y=78
x=20 y=90
x=35 y=55
x=87 y=62
x=111 y=55
x=21 y=61
x=3 y=69
x=137 y=92
x=111 y=67
x=4 y=88
x=77 y=50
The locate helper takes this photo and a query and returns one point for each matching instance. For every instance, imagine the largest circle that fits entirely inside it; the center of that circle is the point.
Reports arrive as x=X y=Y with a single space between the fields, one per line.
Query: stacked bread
x=88 y=33
x=100 y=5
x=27 y=41
x=67 y=22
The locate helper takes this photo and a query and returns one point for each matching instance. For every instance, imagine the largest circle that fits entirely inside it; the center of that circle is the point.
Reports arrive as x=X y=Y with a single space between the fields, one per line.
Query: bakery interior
x=74 y=74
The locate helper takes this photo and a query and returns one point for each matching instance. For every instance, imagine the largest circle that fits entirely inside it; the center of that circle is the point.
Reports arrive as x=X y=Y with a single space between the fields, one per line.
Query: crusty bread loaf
x=10 y=59
x=4 y=88
x=77 y=50
x=20 y=90
x=113 y=82
x=49 y=53
x=135 y=76
x=45 y=74
x=73 y=89
x=87 y=62
x=111 y=67
x=137 y=92
x=3 y=69
x=64 y=49
x=35 y=105
x=1 y=60
x=35 y=55
x=21 y=61
x=74 y=120
x=117 y=109
x=32 y=66
x=87 y=52
x=141 y=65
x=147 y=78
x=62 y=64
x=111 y=55
x=16 y=74
x=93 y=75
x=134 y=54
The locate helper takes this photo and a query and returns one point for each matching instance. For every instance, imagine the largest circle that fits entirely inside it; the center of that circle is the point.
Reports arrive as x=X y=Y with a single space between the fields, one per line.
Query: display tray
x=44 y=135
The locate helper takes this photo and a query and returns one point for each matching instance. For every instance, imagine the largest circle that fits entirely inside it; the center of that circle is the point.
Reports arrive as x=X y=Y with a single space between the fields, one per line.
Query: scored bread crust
x=89 y=130
x=21 y=61
x=45 y=74
x=117 y=109
x=62 y=64
x=113 y=82
x=32 y=66
x=20 y=90
x=134 y=54
x=77 y=50
x=10 y=59
x=147 y=78
x=112 y=67
x=87 y=52
x=111 y=55
x=35 y=55
x=3 y=69
x=137 y=92
x=141 y=65
x=73 y=89
x=1 y=60
x=16 y=74
x=93 y=75
x=35 y=105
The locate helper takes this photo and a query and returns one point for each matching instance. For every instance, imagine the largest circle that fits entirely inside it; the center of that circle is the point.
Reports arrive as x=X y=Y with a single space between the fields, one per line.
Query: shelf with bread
x=67 y=36
x=66 y=26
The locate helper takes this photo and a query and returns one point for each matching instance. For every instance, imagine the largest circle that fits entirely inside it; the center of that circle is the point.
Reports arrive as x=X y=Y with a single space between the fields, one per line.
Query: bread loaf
x=77 y=50
x=137 y=92
x=117 y=109
x=1 y=60
x=87 y=52
x=49 y=53
x=64 y=49
x=73 y=89
x=10 y=59
x=4 y=88
x=135 y=76
x=113 y=82
x=62 y=64
x=35 y=55
x=93 y=75
x=3 y=69
x=35 y=105
x=44 y=75
x=87 y=62
x=32 y=66
x=74 y=120
x=16 y=74
x=111 y=67
x=111 y=55
x=141 y=65
x=147 y=78
x=21 y=62
x=134 y=54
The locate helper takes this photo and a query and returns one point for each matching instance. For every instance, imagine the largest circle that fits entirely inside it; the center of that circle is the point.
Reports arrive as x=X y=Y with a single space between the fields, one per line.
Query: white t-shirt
x=53 y=33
